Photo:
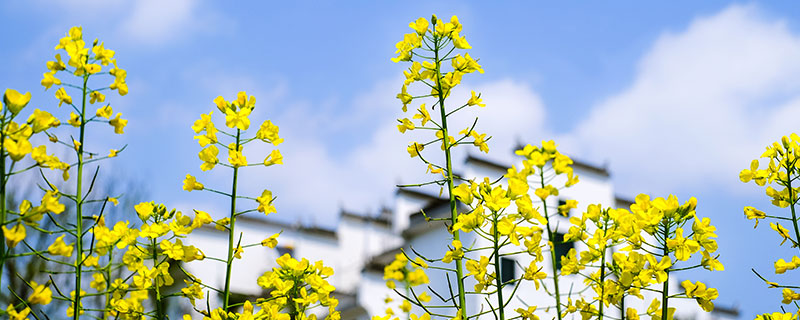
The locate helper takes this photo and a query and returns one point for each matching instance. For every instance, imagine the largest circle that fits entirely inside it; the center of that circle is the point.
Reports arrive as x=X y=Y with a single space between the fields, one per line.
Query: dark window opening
x=562 y=202
x=561 y=248
x=508 y=269
x=284 y=250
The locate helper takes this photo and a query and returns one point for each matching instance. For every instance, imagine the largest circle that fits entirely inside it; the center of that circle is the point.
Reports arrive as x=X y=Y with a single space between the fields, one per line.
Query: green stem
x=791 y=197
x=551 y=236
x=107 y=271
x=2 y=196
x=498 y=278
x=462 y=300
x=665 y=292
x=79 y=208
x=231 y=249
x=159 y=310
x=603 y=269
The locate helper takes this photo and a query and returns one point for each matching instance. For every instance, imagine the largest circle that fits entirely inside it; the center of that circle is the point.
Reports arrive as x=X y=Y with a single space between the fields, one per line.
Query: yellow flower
x=209 y=157
x=702 y=294
x=50 y=202
x=404 y=125
x=104 y=112
x=414 y=149
x=144 y=210
x=17 y=149
x=496 y=199
x=460 y=42
x=190 y=183
x=423 y=115
x=455 y=253
x=781 y=231
x=60 y=248
x=236 y=158
x=74 y=119
x=271 y=241
x=201 y=218
x=48 y=80
x=42 y=120
x=99 y=282
x=118 y=124
x=404 y=97
x=63 y=97
x=275 y=157
x=173 y=250
x=269 y=132
x=96 y=96
x=14 y=315
x=103 y=54
x=41 y=294
x=753 y=213
x=14 y=235
x=55 y=66
x=238 y=119
x=265 y=203
x=119 y=79
x=683 y=247
x=91 y=261
x=420 y=26
x=15 y=101
x=243 y=103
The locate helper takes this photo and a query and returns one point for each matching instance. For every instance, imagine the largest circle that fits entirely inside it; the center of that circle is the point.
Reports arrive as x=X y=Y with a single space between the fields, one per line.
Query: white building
x=362 y=244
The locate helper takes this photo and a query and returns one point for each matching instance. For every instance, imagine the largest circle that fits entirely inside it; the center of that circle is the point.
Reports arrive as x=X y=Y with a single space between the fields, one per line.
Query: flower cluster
x=296 y=287
x=85 y=64
x=434 y=39
x=433 y=48
x=779 y=175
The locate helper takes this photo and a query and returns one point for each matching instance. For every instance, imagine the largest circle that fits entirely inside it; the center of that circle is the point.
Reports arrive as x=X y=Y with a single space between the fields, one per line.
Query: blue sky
x=675 y=98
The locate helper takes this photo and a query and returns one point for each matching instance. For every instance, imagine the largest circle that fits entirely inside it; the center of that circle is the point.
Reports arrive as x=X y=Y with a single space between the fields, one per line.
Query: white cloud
x=155 y=22
x=703 y=102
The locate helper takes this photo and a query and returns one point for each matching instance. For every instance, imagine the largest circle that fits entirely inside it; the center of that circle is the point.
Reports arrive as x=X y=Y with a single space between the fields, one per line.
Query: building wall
x=356 y=241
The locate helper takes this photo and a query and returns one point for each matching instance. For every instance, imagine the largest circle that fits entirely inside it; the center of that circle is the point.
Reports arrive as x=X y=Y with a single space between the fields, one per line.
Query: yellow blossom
x=265 y=203
x=14 y=235
x=104 y=112
x=15 y=101
x=63 y=97
x=60 y=248
x=96 y=96
x=190 y=183
x=41 y=294
x=209 y=157
x=271 y=241
x=274 y=157
x=118 y=124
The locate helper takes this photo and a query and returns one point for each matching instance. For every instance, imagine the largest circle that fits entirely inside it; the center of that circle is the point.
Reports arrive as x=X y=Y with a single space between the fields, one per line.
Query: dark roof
x=414 y=193
x=380 y=261
x=732 y=311
x=313 y=230
x=319 y=231
x=603 y=171
x=382 y=219
x=622 y=202
x=486 y=162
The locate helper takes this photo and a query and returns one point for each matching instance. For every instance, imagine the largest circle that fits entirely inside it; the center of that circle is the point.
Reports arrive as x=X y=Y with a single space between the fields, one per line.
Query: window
x=284 y=250
x=562 y=202
x=508 y=269
x=561 y=248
